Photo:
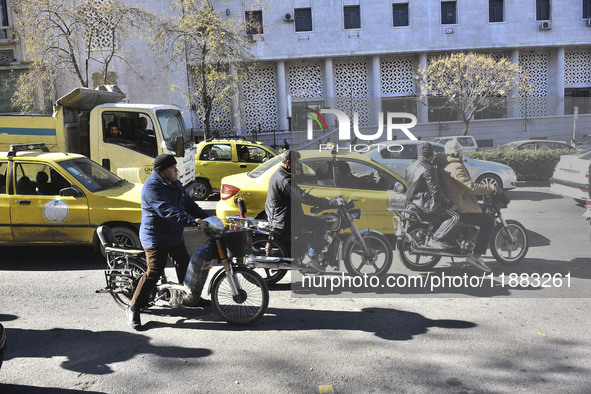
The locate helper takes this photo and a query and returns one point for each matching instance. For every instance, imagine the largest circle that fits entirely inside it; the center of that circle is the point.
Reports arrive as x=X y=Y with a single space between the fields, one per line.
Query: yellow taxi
x=369 y=184
x=218 y=158
x=61 y=198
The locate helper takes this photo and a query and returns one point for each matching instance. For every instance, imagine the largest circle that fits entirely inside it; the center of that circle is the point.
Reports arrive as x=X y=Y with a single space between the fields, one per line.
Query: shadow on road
x=19 y=389
x=89 y=352
x=389 y=324
x=531 y=195
x=50 y=258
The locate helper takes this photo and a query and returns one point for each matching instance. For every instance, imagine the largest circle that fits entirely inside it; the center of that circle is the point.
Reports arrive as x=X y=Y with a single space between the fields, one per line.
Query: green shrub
x=529 y=165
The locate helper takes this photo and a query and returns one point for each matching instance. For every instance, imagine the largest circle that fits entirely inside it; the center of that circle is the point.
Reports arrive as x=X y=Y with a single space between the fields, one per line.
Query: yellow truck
x=123 y=138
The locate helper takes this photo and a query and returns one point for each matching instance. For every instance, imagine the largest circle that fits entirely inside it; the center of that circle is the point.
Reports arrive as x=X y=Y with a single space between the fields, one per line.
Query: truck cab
x=84 y=120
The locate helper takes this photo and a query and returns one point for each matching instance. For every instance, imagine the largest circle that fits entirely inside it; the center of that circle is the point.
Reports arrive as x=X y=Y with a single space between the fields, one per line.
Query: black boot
x=133 y=318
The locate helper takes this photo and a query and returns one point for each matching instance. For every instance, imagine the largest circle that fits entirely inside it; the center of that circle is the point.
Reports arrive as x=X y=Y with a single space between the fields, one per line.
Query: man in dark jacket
x=284 y=206
x=424 y=193
x=166 y=210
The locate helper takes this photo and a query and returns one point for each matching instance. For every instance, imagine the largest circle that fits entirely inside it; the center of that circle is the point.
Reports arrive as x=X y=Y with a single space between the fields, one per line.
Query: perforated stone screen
x=577 y=67
x=304 y=80
x=352 y=89
x=100 y=32
x=259 y=100
x=535 y=64
x=396 y=77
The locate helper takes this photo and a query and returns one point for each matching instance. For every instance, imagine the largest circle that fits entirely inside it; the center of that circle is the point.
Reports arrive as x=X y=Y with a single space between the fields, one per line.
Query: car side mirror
x=399 y=187
x=71 y=191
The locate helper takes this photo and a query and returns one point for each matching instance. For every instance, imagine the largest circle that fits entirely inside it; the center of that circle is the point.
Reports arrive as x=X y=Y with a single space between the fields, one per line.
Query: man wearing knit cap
x=424 y=193
x=166 y=210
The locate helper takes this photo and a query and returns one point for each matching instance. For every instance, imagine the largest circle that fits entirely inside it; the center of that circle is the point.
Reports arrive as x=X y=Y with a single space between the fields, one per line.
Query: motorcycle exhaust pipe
x=432 y=252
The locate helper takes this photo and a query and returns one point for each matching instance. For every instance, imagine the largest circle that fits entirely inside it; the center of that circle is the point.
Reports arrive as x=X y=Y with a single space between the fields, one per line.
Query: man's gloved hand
x=500 y=197
x=331 y=203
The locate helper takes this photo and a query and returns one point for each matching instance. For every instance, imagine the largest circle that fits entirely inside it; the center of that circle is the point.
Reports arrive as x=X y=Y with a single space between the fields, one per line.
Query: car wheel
x=124 y=237
x=202 y=190
x=490 y=179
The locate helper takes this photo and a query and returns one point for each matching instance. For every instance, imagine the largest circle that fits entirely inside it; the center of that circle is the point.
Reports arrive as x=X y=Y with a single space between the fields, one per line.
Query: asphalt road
x=63 y=336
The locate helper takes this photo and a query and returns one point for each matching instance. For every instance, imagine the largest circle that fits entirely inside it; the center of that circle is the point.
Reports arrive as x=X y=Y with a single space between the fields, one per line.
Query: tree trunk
x=466 y=123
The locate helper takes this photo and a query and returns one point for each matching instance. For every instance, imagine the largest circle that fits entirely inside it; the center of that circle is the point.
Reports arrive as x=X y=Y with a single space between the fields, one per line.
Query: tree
x=64 y=41
x=215 y=49
x=470 y=83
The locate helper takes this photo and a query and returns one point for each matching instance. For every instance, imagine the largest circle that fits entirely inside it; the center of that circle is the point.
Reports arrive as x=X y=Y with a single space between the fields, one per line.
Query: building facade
x=361 y=55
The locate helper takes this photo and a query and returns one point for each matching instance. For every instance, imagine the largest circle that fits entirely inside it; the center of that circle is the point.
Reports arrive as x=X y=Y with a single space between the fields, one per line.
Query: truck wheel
x=202 y=190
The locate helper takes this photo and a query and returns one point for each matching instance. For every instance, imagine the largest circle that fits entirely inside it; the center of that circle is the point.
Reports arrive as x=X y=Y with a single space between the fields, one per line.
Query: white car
x=397 y=154
x=467 y=141
x=571 y=176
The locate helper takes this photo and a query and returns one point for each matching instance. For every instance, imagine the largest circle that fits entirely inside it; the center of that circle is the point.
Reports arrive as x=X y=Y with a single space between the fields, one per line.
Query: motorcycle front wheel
x=123 y=279
x=270 y=276
x=509 y=244
x=248 y=305
x=411 y=260
x=379 y=261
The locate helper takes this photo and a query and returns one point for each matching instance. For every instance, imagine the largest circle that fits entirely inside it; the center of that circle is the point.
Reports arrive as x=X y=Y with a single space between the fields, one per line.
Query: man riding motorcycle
x=425 y=194
x=456 y=183
x=284 y=205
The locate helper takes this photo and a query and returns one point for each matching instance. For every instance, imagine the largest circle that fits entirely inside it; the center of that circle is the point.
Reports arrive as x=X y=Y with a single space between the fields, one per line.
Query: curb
x=532 y=184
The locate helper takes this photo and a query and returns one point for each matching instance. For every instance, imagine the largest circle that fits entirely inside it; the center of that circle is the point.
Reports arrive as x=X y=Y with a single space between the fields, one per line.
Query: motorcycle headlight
x=355 y=213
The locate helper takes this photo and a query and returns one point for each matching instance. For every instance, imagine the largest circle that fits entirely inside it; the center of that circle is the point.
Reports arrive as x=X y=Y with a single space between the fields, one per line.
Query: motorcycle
x=238 y=294
x=508 y=244
x=363 y=251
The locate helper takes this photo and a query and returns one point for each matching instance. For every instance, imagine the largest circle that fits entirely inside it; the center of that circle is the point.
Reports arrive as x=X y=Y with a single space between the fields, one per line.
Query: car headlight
x=511 y=172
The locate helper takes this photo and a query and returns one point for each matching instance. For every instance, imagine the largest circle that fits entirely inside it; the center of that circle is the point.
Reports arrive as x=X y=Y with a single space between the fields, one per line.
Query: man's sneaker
x=133 y=317
x=478 y=262
x=176 y=298
x=435 y=244
x=314 y=263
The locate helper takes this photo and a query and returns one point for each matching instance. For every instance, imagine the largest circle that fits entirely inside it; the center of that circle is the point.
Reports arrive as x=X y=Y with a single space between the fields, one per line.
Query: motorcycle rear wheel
x=248 y=306
x=412 y=261
x=270 y=276
x=381 y=256
x=509 y=244
x=124 y=278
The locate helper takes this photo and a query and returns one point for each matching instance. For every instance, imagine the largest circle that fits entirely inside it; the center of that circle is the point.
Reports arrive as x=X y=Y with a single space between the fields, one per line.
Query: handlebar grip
x=315 y=210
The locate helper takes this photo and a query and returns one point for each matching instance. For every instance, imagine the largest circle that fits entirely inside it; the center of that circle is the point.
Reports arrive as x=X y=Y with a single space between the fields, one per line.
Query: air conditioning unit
x=588 y=20
x=546 y=25
x=252 y=37
x=288 y=17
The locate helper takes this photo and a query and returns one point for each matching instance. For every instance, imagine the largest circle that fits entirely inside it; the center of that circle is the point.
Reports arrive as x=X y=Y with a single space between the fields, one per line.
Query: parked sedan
x=571 y=176
x=537 y=145
x=368 y=184
x=397 y=154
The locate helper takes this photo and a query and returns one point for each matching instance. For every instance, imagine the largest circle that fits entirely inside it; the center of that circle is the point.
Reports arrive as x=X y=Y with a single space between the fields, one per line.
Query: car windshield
x=260 y=170
x=91 y=175
x=173 y=126
x=586 y=154
x=585 y=140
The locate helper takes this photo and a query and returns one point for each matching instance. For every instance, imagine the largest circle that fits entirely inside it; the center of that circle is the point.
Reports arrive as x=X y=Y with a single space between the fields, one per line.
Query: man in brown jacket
x=457 y=185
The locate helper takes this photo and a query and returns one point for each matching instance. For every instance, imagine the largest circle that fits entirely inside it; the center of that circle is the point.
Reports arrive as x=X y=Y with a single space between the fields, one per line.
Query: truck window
x=173 y=126
x=133 y=130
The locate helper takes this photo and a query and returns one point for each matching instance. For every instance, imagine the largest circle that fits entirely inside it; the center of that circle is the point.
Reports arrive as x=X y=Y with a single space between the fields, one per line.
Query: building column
x=329 y=80
x=514 y=109
x=559 y=110
x=282 y=118
x=375 y=104
x=235 y=107
x=422 y=110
